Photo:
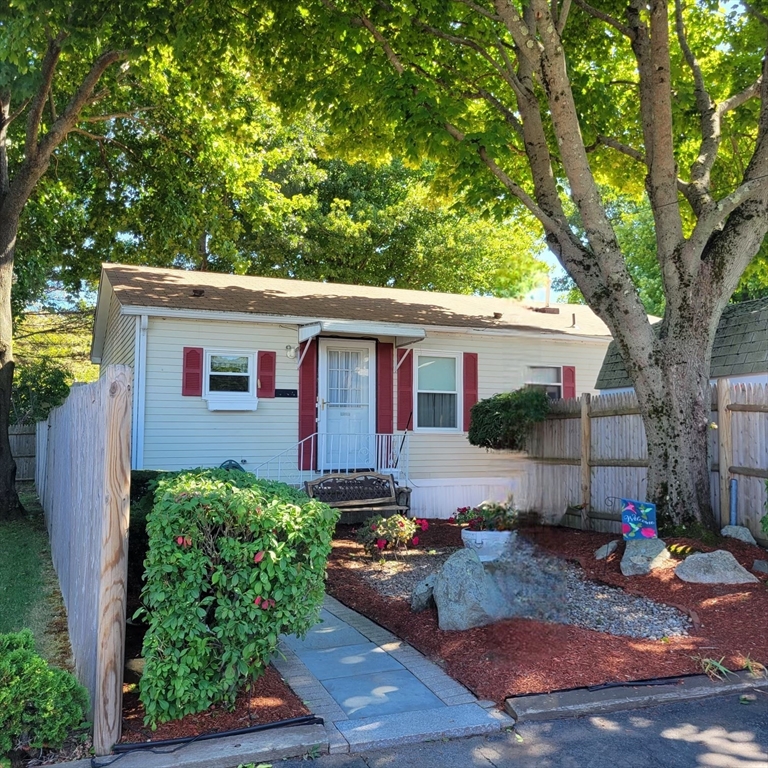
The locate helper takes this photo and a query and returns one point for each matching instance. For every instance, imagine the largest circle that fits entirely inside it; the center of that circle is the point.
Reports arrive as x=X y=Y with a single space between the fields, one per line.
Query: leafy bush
x=39 y=705
x=233 y=562
x=504 y=421
x=488 y=516
x=38 y=388
x=394 y=533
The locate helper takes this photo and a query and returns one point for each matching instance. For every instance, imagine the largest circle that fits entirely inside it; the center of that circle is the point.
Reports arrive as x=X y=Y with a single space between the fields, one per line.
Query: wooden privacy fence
x=23 y=438
x=593 y=450
x=83 y=479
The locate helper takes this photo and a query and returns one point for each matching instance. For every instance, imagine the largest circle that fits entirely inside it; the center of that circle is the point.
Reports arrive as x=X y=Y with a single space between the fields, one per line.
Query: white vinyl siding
x=503 y=365
x=181 y=432
x=120 y=338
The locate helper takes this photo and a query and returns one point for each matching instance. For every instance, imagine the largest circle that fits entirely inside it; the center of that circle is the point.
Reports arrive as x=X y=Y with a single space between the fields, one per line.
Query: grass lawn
x=29 y=593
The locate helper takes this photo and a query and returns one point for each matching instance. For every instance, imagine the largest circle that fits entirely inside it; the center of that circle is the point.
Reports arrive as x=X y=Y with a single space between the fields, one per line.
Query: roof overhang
x=403 y=334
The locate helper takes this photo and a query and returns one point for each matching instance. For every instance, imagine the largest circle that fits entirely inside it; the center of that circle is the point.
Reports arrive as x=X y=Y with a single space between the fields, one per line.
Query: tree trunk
x=10 y=506
x=675 y=399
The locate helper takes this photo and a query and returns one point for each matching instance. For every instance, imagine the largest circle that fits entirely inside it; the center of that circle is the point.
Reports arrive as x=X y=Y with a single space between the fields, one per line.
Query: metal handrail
x=343 y=453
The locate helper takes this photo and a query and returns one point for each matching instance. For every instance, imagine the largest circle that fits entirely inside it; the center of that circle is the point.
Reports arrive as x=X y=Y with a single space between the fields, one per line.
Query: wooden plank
x=586 y=452
x=749 y=472
x=725 y=446
x=748 y=407
x=107 y=721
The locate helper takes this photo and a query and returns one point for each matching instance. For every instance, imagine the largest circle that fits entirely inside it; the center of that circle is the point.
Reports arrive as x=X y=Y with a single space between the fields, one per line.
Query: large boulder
x=719 y=567
x=421 y=597
x=641 y=556
x=738 y=532
x=465 y=595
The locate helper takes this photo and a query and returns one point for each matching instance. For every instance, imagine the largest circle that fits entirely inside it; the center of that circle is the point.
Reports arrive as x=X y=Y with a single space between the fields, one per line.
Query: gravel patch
x=544 y=587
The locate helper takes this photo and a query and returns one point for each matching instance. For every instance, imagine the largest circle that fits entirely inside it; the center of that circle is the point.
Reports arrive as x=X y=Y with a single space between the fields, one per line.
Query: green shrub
x=233 y=562
x=37 y=389
x=504 y=421
x=488 y=516
x=39 y=705
x=393 y=533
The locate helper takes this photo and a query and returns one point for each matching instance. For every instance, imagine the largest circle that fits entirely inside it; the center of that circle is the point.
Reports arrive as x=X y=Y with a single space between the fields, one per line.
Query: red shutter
x=192 y=372
x=307 y=405
x=384 y=371
x=405 y=389
x=569 y=381
x=470 y=385
x=265 y=375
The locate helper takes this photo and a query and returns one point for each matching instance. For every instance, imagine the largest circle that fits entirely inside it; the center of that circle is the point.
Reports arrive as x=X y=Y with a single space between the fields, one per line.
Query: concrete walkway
x=373 y=690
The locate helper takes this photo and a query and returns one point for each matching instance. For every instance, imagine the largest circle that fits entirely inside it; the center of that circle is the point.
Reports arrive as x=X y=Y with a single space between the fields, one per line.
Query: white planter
x=489 y=545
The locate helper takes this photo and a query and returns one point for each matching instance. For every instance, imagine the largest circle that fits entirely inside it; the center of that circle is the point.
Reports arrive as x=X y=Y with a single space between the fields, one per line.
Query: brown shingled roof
x=213 y=291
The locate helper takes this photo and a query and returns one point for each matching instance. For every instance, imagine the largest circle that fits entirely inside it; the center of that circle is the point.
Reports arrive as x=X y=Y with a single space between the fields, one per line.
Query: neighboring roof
x=741 y=346
x=174 y=290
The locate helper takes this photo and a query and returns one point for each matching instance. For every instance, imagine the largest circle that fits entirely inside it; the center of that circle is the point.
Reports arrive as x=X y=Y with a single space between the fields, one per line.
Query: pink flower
x=626 y=527
x=373 y=527
x=649 y=533
x=415 y=541
x=381 y=543
x=258 y=557
x=257 y=601
x=451 y=519
x=424 y=525
x=265 y=605
x=401 y=523
x=180 y=540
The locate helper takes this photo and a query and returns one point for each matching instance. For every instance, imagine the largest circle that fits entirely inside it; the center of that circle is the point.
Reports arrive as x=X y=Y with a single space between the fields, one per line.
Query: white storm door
x=347 y=407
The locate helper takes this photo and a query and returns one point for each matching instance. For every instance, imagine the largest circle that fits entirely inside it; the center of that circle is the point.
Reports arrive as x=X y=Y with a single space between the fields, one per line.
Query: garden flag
x=638 y=519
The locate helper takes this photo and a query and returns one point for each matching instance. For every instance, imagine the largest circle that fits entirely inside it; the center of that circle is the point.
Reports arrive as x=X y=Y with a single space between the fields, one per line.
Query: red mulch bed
x=270 y=700
x=521 y=656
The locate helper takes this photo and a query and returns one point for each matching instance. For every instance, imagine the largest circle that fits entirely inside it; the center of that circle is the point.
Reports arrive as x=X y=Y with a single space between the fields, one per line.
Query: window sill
x=230 y=403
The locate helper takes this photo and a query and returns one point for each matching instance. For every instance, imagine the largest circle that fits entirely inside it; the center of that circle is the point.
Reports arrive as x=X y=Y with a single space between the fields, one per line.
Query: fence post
x=107 y=716
x=724 y=446
x=586 y=453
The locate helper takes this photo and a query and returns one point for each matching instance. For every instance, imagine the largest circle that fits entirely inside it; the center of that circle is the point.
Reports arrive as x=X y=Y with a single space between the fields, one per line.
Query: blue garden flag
x=638 y=519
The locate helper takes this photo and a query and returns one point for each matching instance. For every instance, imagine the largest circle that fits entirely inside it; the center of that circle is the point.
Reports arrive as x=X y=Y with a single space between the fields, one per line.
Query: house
x=739 y=353
x=293 y=379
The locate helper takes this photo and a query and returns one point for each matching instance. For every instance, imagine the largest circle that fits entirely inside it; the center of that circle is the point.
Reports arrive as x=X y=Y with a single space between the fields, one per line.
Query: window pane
x=437 y=410
x=541 y=375
x=553 y=391
x=229 y=364
x=228 y=383
x=437 y=374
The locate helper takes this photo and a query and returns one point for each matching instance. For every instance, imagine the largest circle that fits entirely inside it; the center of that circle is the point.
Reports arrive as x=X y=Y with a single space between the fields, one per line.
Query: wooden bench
x=360 y=495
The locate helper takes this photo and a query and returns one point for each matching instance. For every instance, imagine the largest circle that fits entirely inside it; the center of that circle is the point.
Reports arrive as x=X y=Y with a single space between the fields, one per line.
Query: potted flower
x=487 y=528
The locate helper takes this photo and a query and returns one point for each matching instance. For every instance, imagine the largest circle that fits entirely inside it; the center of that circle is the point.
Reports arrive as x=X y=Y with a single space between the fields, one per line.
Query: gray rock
x=421 y=597
x=719 y=567
x=642 y=556
x=465 y=595
x=761 y=566
x=738 y=532
x=606 y=550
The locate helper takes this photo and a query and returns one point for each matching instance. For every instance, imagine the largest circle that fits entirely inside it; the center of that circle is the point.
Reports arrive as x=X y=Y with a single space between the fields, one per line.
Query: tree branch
x=72 y=111
x=562 y=19
x=382 y=41
x=50 y=60
x=480 y=9
x=605 y=17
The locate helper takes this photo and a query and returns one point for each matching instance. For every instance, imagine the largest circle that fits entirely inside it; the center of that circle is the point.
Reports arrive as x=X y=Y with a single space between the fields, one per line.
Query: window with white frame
x=230 y=380
x=437 y=394
x=547 y=378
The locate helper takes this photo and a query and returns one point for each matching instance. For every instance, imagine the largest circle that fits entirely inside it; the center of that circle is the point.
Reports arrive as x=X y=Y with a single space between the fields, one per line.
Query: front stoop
x=581 y=702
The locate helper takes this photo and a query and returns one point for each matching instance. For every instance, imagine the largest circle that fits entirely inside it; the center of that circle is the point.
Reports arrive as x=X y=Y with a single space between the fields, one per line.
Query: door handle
x=322 y=403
